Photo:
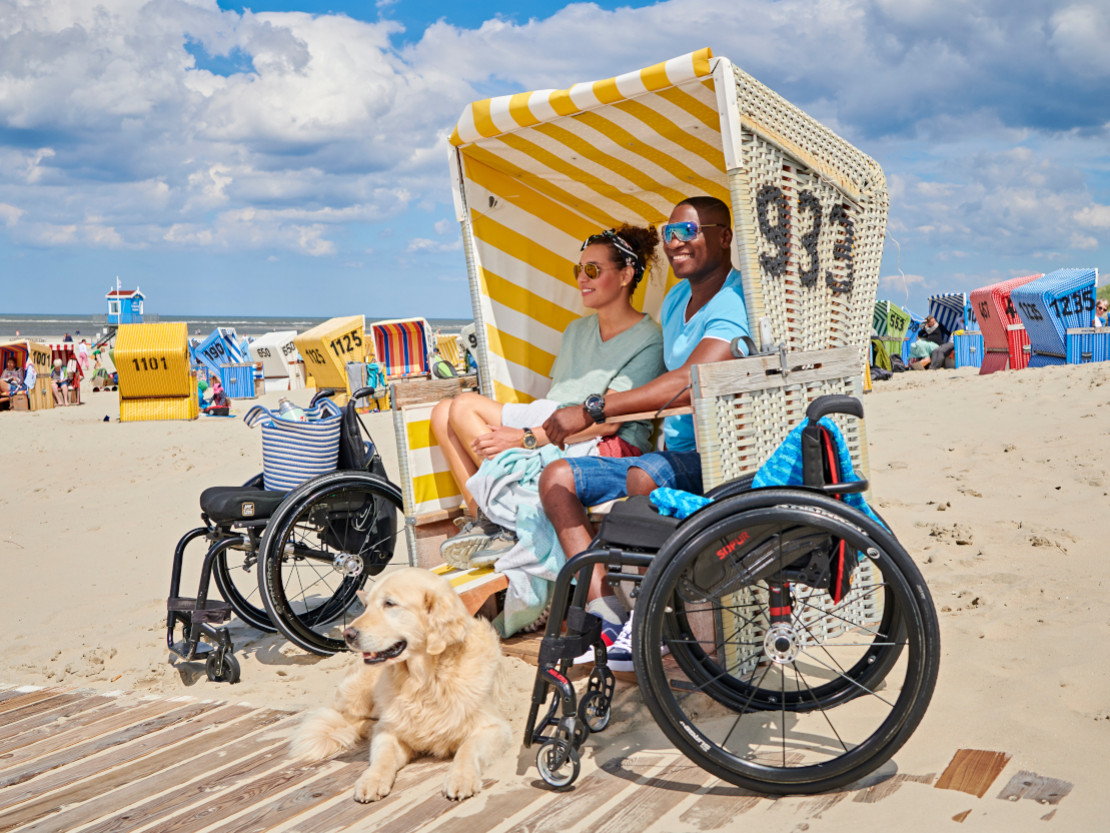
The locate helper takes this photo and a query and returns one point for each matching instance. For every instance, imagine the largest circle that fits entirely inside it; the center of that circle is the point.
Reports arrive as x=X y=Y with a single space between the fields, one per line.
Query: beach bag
x=293 y=452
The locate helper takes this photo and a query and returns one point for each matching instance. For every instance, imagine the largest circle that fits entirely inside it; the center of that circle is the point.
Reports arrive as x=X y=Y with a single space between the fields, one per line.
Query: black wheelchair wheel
x=774 y=687
x=222 y=667
x=237 y=580
x=321 y=546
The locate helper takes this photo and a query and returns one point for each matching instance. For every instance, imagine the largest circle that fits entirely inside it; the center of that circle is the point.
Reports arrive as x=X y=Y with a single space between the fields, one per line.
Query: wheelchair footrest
x=210 y=612
x=583 y=632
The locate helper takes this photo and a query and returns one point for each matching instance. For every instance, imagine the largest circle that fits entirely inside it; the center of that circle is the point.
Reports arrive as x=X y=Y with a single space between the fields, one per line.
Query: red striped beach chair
x=402 y=347
x=1005 y=342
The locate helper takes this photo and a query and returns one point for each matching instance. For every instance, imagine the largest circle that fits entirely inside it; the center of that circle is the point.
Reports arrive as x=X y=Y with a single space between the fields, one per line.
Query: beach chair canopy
x=402 y=346
x=996 y=315
x=220 y=348
x=890 y=320
x=537 y=172
x=276 y=352
x=1049 y=306
x=948 y=309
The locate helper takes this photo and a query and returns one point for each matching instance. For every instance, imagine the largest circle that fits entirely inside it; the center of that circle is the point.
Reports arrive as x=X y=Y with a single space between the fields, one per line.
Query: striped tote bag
x=293 y=452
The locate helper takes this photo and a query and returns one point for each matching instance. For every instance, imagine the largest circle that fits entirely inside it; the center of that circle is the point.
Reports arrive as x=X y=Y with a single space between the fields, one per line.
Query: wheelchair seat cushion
x=223 y=504
x=636 y=523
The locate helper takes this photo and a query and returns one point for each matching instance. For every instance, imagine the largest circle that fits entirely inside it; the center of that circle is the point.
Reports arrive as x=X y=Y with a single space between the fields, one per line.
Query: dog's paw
x=462 y=782
x=323 y=734
x=372 y=786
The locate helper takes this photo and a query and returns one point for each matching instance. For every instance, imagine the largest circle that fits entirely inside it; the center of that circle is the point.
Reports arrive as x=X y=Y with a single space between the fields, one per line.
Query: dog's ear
x=364 y=597
x=446 y=618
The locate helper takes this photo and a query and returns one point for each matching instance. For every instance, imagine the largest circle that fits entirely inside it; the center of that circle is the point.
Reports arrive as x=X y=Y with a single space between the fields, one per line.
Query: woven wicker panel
x=811 y=209
x=744 y=409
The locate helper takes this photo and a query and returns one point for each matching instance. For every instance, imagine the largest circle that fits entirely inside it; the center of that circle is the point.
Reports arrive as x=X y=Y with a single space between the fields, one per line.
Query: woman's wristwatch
x=595 y=407
x=529 y=440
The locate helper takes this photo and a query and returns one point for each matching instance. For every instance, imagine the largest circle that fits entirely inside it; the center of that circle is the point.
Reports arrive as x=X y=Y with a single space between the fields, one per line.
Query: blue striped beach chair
x=1049 y=306
x=948 y=309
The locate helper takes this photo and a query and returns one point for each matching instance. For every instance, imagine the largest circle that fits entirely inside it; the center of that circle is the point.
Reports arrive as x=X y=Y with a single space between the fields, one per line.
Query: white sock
x=608 y=608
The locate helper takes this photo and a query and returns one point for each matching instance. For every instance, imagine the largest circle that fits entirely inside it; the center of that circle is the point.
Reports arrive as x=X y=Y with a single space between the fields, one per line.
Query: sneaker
x=609 y=633
x=503 y=541
x=620 y=652
x=475 y=535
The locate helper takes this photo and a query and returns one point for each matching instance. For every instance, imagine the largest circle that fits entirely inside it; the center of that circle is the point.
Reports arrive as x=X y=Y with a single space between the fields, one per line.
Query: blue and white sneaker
x=610 y=631
x=619 y=656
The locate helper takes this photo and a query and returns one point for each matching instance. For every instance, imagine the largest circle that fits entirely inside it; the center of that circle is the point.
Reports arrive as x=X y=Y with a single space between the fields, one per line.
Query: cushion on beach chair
x=223 y=504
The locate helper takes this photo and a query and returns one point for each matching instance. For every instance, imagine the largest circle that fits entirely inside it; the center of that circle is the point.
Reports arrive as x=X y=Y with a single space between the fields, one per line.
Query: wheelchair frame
x=268 y=536
x=790 y=538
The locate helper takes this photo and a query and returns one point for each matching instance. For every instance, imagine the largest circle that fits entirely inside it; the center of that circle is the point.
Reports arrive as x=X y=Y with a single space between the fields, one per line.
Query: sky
x=285 y=157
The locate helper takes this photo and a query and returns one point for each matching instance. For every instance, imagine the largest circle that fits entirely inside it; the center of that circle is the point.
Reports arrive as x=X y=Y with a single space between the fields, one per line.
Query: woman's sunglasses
x=685 y=232
x=591 y=269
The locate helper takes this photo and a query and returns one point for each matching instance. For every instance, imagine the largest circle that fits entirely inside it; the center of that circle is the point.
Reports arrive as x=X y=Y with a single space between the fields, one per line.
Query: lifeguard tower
x=125 y=306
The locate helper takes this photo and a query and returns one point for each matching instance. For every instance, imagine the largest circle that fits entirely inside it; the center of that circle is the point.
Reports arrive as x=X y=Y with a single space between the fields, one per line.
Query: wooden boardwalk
x=79 y=761
x=87 y=762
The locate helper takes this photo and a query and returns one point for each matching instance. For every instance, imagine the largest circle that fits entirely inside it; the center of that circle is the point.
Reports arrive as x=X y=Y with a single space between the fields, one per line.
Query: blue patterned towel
x=783 y=468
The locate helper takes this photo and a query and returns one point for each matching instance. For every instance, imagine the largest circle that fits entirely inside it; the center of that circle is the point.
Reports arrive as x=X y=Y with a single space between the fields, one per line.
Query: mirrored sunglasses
x=591 y=269
x=685 y=232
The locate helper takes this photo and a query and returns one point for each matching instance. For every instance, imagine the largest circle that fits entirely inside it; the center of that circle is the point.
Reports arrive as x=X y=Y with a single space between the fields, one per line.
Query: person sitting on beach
x=219 y=404
x=617 y=349
x=1101 y=317
x=701 y=317
x=11 y=380
x=60 y=383
x=942 y=352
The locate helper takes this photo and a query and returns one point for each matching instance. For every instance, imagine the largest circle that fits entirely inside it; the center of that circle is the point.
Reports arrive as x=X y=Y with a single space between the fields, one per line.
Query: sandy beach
x=996 y=485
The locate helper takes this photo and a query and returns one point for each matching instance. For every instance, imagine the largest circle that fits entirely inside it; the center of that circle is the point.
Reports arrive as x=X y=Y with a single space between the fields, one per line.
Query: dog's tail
x=325 y=733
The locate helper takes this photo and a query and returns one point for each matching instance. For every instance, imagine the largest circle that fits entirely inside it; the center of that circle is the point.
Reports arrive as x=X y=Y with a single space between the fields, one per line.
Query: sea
x=47 y=326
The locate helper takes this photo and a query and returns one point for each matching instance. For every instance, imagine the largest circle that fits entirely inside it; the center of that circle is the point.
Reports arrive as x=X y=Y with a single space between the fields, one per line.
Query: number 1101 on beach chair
x=800 y=644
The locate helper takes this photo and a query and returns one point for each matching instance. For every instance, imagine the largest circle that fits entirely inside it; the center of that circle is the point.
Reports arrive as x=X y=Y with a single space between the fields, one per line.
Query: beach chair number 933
x=771 y=204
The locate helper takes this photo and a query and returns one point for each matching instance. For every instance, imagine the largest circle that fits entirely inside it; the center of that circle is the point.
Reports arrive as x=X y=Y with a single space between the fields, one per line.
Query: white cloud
x=10 y=214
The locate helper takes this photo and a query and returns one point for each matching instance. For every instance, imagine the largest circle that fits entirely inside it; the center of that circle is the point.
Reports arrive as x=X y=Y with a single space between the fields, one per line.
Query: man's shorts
x=600 y=479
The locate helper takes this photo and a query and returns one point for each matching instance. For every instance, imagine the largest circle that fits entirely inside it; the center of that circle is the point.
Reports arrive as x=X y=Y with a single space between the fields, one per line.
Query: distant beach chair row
x=1031 y=321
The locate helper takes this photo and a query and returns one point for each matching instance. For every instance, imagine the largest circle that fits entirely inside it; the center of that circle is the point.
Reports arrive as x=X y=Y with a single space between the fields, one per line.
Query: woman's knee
x=639 y=482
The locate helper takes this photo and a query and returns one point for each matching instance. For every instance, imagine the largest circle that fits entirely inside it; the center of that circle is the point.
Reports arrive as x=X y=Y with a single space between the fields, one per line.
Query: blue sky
x=288 y=156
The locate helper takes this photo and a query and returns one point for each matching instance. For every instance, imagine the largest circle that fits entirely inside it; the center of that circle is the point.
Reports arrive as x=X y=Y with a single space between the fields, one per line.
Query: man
x=936 y=333
x=701 y=316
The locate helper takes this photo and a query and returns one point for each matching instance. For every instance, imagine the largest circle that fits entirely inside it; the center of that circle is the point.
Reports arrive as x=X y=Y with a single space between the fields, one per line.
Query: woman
x=619 y=348
x=12 y=377
x=60 y=383
x=1100 y=313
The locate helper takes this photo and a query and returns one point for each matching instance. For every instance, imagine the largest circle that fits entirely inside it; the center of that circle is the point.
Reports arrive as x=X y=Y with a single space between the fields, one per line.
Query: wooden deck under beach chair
x=536 y=173
x=1004 y=337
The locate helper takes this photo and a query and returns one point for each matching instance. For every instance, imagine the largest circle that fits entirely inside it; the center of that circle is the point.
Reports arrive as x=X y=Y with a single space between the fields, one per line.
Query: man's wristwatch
x=529 y=440
x=595 y=407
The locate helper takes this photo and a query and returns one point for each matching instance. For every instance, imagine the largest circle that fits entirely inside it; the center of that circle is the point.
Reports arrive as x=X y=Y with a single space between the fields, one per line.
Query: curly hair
x=633 y=245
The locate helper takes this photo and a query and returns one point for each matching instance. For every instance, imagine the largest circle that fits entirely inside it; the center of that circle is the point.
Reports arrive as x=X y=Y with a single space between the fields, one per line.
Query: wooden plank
x=31 y=710
x=21 y=699
x=888 y=786
x=718 y=806
x=972 y=771
x=278 y=811
x=108 y=793
x=17 y=731
x=196 y=797
x=497 y=807
x=345 y=813
x=765 y=372
x=679 y=779
x=431 y=812
x=71 y=719
x=127 y=744
x=567 y=811
x=420 y=391
x=1035 y=787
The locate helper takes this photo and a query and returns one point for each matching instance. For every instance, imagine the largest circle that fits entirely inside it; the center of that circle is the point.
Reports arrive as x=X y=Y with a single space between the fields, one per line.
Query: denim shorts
x=599 y=479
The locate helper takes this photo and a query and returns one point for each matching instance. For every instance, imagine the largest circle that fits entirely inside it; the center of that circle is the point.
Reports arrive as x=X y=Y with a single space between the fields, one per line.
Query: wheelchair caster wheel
x=558 y=763
x=594 y=711
x=222 y=667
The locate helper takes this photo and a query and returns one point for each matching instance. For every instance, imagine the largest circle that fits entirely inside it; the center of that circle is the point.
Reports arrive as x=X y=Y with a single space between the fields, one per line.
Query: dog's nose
x=350 y=634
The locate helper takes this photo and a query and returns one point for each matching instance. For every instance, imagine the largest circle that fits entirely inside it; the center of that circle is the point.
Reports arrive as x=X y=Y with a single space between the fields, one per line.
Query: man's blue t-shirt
x=724 y=317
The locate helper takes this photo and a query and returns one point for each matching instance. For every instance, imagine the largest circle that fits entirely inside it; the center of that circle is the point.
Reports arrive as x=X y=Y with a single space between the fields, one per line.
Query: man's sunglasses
x=591 y=269
x=685 y=232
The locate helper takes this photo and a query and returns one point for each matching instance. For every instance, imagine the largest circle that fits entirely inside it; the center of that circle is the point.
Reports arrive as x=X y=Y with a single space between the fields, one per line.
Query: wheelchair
x=782 y=640
x=290 y=562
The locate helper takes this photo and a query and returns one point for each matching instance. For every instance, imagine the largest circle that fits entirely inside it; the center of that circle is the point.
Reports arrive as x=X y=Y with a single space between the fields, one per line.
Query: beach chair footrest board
x=473 y=586
x=158 y=408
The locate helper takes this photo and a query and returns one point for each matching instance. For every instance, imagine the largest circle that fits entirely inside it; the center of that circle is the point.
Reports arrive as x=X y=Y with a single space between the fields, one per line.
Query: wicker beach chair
x=889 y=324
x=948 y=309
x=1005 y=341
x=156 y=381
x=1052 y=304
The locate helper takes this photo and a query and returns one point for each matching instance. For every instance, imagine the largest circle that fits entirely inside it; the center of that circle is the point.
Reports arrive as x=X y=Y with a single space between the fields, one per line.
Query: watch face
x=529 y=438
x=595 y=406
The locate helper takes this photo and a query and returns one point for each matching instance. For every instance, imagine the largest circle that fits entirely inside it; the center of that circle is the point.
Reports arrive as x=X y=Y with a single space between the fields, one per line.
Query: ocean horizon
x=46 y=325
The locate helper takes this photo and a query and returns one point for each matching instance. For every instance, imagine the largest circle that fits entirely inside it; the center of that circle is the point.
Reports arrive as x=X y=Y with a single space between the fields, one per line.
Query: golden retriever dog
x=429 y=683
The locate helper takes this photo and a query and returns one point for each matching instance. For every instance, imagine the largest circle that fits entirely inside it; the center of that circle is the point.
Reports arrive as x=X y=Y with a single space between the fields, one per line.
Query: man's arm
x=666 y=390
